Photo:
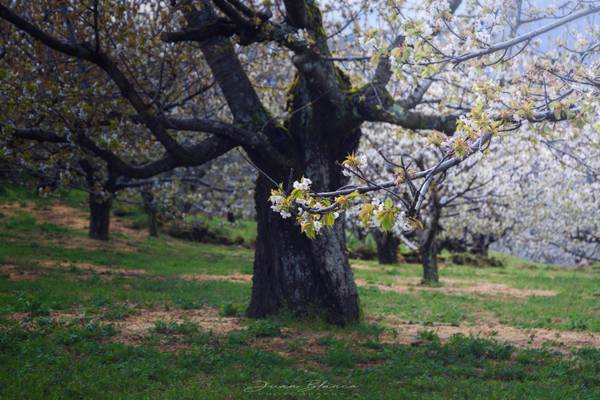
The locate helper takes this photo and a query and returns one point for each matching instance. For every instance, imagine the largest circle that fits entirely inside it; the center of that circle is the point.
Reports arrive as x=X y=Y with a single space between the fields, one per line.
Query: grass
x=43 y=357
x=152 y=255
x=23 y=193
x=575 y=306
x=242 y=230
x=74 y=361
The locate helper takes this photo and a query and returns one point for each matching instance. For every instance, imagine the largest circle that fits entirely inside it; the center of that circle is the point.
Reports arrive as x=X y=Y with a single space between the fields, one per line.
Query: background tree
x=46 y=162
x=457 y=199
x=560 y=198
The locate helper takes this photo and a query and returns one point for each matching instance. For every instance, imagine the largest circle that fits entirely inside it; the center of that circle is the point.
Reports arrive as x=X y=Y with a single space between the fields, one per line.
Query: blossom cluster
x=305 y=206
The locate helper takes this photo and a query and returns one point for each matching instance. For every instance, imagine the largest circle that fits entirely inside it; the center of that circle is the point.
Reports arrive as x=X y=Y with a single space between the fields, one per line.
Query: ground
x=138 y=317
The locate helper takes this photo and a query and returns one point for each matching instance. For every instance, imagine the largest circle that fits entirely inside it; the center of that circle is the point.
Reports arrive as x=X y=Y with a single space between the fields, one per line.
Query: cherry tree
x=221 y=188
x=560 y=193
x=457 y=199
x=187 y=82
x=46 y=162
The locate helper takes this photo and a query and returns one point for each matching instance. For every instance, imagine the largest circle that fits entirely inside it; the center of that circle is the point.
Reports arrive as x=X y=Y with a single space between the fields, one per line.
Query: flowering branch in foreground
x=315 y=210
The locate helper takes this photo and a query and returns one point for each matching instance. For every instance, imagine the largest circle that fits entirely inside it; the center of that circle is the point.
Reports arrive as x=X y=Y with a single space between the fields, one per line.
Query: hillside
x=163 y=318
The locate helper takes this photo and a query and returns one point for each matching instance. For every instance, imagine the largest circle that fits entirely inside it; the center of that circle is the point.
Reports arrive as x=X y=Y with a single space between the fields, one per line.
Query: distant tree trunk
x=152 y=224
x=231 y=217
x=99 y=216
x=100 y=199
x=481 y=244
x=453 y=245
x=387 y=247
x=430 y=266
x=429 y=246
x=152 y=212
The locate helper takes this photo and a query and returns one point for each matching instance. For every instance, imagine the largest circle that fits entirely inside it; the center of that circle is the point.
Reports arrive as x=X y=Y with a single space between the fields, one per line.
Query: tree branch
x=102 y=60
x=525 y=37
x=203 y=152
x=256 y=141
x=296 y=13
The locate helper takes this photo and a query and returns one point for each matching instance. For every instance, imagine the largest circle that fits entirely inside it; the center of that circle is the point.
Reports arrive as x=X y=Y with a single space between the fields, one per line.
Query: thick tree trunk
x=291 y=271
x=151 y=212
x=99 y=217
x=295 y=273
x=387 y=247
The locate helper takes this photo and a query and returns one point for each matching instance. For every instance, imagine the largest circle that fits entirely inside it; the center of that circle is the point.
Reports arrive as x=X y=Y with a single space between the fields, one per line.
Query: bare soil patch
x=113 y=244
x=364 y=267
x=70 y=242
x=137 y=326
x=406 y=285
x=407 y=332
x=75 y=218
x=293 y=342
x=307 y=356
x=56 y=213
x=305 y=345
x=39 y=268
x=207 y=277
x=92 y=268
x=17 y=273
x=55 y=316
x=459 y=287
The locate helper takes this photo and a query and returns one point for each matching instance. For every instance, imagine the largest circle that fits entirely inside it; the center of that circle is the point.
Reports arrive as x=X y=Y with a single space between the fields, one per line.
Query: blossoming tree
x=456 y=203
x=138 y=56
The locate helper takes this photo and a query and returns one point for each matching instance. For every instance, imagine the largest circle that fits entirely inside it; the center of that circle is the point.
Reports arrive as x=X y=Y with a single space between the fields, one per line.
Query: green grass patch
x=45 y=358
x=70 y=361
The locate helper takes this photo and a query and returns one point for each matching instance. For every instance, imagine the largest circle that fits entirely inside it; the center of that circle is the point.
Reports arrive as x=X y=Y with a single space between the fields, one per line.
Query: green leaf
x=365 y=213
x=308 y=229
x=328 y=219
x=297 y=194
x=386 y=220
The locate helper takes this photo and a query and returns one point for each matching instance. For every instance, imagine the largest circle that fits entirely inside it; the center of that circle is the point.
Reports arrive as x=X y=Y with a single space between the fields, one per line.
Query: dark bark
x=152 y=212
x=231 y=217
x=387 y=247
x=481 y=244
x=295 y=273
x=429 y=246
x=152 y=224
x=291 y=271
x=453 y=245
x=99 y=217
x=296 y=13
x=100 y=203
x=430 y=265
